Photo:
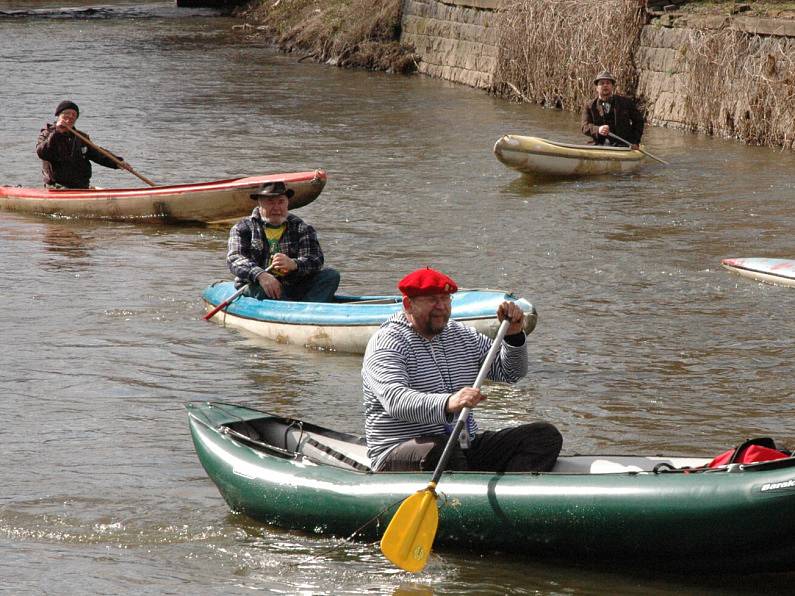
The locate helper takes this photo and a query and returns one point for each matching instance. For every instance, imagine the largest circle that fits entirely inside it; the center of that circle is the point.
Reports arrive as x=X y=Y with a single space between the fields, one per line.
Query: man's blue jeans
x=318 y=287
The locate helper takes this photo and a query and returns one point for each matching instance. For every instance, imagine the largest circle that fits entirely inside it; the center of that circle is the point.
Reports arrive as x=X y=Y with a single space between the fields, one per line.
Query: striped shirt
x=248 y=252
x=407 y=379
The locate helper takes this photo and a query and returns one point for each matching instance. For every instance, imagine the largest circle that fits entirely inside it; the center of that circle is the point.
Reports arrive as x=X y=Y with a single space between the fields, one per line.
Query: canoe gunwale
x=224 y=428
x=276 y=311
x=587 y=147
x=210 y=305
x=319 y=176
x=306 y=443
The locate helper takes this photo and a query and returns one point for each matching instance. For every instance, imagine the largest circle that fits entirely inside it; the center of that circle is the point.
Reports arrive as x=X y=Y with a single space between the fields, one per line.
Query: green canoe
x=296 y=475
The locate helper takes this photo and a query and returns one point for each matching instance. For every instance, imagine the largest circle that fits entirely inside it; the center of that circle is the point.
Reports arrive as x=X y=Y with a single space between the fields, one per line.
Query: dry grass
x=550 y=51
x=741 y=86
x=350 y=33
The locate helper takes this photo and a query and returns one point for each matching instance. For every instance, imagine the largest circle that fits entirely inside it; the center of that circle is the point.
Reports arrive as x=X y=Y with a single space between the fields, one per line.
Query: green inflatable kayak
x=652 y=511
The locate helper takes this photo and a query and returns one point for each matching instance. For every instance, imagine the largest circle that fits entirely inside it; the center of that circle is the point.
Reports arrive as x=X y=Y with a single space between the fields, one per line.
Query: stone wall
x=661 y=76
x=456 y=39
x=729 y=76
x=663 y=63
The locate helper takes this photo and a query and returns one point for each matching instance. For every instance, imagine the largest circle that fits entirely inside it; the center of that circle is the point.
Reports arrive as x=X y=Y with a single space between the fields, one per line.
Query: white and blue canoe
x=347 y=324
x=780 y=272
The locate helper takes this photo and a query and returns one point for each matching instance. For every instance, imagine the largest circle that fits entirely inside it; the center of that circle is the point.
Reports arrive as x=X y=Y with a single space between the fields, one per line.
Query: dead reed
x=349 y=33
x=740 y=86
x=550 y=51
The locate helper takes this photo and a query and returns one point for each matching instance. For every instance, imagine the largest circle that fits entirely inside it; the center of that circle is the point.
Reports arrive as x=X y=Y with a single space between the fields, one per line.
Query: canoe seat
x=295 y=439
x=326 y=454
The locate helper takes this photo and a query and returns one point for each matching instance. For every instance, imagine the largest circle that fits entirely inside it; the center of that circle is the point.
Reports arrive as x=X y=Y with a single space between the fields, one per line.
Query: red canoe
x=202 y=202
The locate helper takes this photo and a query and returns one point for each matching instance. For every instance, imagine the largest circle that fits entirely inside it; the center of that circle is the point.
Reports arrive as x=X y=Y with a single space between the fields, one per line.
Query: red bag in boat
x=752 y=451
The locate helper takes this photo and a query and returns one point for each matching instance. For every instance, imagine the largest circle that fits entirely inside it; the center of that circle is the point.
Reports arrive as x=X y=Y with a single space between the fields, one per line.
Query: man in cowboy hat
x=66 y=159
x=418 y=374
x=611 y=114
x=274 y=239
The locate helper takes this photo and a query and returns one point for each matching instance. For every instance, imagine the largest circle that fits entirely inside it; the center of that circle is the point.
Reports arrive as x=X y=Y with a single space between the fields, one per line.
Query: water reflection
x=62 y=241
x=412 y=590
x=93 y=9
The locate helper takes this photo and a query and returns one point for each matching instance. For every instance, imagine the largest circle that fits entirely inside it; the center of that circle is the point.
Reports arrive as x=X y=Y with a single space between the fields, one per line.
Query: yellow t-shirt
x=273 y=234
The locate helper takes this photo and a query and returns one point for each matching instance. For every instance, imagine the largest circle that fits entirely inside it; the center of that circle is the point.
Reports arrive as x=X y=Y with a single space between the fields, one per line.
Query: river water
x=644 y=343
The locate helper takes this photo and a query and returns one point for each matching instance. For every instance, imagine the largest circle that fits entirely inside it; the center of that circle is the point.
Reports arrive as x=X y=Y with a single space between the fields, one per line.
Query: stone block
x=760 y=26
x=657 y=59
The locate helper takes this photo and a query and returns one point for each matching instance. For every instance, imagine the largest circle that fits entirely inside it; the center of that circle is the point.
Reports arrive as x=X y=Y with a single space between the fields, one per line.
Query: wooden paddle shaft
x=618 y=138
x=110 y=156
x=459 y=425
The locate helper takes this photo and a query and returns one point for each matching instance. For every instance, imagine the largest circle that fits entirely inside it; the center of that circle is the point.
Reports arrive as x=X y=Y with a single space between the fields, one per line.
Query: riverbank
x=719 y=68
x=347 y=33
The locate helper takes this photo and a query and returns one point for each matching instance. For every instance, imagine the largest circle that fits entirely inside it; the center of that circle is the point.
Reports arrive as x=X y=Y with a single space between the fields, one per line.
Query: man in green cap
x=610 y=116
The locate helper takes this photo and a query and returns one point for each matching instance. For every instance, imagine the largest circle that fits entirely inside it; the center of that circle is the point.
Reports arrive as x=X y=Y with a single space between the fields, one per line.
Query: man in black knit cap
x=66 y=159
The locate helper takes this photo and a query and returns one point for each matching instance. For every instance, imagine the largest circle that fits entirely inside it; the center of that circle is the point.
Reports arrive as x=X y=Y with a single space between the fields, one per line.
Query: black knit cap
x=67 y=105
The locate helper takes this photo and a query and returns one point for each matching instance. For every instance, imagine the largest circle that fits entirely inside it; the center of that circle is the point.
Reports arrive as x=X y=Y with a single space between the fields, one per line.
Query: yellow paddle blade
x=409 y=536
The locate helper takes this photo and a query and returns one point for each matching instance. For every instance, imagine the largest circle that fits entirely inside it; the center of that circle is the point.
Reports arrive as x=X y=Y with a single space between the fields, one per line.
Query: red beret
x=424 y=282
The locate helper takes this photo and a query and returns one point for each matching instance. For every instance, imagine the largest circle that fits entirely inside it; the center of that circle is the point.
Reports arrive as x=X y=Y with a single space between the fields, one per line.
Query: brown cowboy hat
x=272 y=189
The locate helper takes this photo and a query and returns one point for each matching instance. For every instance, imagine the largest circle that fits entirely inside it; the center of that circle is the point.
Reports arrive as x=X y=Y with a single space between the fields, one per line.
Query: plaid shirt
x=248 y=254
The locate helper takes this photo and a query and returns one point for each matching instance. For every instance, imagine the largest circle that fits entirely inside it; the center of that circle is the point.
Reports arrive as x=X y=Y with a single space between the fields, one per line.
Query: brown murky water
x=644 y=342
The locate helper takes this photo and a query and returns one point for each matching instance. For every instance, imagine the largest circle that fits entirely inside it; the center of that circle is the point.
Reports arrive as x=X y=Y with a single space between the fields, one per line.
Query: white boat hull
x=780 y=272
x=337 y=338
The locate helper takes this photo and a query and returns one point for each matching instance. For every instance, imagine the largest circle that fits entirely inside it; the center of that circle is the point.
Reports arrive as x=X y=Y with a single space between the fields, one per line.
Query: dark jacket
x=624 y=119
x=66 y=160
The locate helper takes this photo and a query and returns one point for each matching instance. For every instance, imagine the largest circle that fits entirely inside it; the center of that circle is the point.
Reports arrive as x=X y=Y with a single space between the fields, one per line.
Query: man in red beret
x=417 y=375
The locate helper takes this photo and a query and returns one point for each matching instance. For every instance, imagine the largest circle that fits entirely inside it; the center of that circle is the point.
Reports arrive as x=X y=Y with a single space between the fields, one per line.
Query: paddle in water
x=231 y=299
x=409 y=536
x=618 y=138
